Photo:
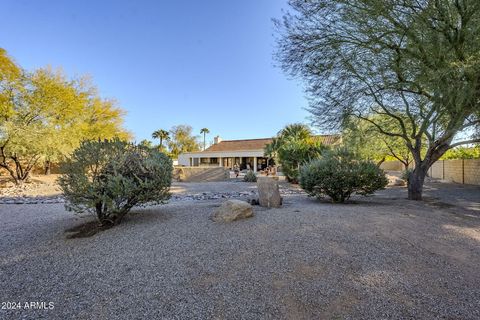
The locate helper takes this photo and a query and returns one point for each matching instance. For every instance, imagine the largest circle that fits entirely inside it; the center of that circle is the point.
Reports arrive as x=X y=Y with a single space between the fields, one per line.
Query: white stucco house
x=247 y=153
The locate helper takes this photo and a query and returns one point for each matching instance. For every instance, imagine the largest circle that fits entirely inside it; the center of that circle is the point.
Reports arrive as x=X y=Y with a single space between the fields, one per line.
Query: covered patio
x=255 y=163
x=246 y=154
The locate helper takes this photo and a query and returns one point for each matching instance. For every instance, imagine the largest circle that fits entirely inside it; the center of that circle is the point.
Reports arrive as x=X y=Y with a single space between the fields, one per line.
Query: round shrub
x=338 y=175
x=110 y=177
x=250 y=176
x=405 y=175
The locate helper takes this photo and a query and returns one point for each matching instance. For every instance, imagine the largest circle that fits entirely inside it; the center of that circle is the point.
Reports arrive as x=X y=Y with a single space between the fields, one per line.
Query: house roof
x=239 y=145
x=330 y=139
x=259 y=144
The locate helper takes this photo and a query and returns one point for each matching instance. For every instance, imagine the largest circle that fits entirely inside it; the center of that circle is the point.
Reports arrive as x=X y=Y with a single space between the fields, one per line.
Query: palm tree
x=272 y=148
x=162 y=135
x=292 y=134
x=298 y=131
x=204 y=131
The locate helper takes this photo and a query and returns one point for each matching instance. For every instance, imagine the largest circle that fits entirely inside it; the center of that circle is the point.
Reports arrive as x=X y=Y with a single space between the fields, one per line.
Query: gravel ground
x=382 y=257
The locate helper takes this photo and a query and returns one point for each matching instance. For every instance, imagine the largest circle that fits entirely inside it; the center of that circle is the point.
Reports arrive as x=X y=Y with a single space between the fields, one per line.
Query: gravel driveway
x=383 y=257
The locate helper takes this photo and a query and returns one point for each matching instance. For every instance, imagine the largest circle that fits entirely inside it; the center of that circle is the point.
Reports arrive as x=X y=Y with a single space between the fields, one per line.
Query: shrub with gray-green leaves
x=110 y=177
x=250 y=176
x=405 y=175
x=338 y=175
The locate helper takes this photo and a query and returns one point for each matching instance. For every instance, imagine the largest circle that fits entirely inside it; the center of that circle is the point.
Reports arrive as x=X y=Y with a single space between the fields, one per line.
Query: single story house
x=247 y=153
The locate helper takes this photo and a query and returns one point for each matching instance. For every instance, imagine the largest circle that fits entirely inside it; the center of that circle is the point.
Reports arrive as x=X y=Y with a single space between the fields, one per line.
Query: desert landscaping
x=284 y=159
x=375 y=257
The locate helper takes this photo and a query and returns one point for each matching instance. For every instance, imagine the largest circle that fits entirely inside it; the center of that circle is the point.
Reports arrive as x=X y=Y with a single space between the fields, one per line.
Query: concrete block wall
x=458 y=170
x=392 y=166
x=200 y=174
x=471 y=169
x=453 y=170
x=436 y=170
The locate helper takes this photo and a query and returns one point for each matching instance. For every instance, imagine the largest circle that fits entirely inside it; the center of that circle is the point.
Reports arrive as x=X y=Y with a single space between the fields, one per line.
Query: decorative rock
x=15 y=197
x=232 y=210
x=395 y=181
x=268 y=192
x=398 y=182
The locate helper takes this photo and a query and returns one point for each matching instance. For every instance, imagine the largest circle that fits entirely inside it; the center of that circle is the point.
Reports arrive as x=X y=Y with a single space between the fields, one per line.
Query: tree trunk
x=379 y=163
x=22 y=174
x=11 y=172
x=48 y=166
x=415 y=183
x=99 y=211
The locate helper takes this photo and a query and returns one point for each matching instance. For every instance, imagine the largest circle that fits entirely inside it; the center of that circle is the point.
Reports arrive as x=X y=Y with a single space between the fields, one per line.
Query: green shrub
x=110 y=177
x=338 y=175
x=406 y=174
x=294 y=153
x=462 y=153
x=250 y=177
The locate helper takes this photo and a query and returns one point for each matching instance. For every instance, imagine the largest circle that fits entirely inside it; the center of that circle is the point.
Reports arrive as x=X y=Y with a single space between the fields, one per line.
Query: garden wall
x=392 y=166
x=200 y=174
x=466 y=171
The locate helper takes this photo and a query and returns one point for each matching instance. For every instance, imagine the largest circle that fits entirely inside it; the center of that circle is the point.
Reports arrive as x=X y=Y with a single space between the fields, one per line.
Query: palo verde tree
x=362 y=138
x=414 y=61
x=182 y=140
x=44 y=116
x=463 y=152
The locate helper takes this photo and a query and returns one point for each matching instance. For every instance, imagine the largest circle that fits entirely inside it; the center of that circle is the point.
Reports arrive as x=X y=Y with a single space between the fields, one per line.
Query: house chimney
x=217 y=140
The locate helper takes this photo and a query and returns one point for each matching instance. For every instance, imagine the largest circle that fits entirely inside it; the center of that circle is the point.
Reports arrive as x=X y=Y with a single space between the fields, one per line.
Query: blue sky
x=203 y=63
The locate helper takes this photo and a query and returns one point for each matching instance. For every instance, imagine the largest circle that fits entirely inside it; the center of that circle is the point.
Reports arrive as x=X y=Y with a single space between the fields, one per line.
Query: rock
x=232 y=210
x=397 y=182
x=268 y=192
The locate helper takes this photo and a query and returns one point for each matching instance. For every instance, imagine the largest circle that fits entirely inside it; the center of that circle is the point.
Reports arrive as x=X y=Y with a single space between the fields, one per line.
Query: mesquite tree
x=416 y=62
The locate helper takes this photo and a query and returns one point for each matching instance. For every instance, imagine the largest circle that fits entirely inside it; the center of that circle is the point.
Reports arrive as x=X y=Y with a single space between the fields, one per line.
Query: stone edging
x=174 y=197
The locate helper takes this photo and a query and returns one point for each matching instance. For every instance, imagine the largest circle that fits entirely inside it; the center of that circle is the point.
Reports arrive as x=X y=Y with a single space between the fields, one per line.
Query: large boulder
x=268 y=193
x=232 y=210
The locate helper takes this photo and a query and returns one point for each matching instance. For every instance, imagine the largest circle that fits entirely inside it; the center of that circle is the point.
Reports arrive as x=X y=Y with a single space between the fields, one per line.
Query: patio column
x=220 y=162
x=254 y=164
